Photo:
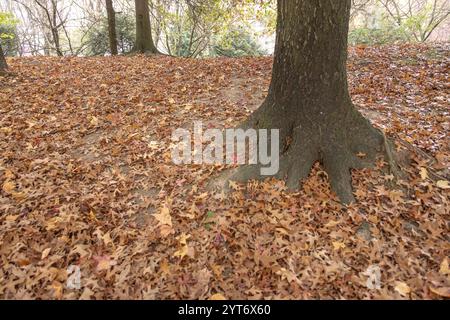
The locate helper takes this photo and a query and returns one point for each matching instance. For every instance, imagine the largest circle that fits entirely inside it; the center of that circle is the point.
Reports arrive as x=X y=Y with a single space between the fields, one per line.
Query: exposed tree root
x=340 y=144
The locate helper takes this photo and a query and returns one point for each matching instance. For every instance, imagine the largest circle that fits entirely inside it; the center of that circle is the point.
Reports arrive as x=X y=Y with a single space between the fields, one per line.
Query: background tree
x=3 y=64
x=52 y=17
x=6 y=19
x=144 y=38
x=419 y=18
x=309 y=101
x=8 y=34
x=237 y=42
x=111 y=27
x=97 y=39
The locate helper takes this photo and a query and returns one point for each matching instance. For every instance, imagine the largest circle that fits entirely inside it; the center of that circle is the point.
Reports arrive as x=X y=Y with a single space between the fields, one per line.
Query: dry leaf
x=441 y=291
x=338 y=245
x=8 y=186
x=45 y=253
x=163 y=217
x=217 y=296
x=443 y=184
x=402 y=288
x=444 y=267
x=423 y=173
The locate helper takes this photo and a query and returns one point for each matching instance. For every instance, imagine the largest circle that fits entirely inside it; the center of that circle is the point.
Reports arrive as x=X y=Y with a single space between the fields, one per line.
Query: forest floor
x=87 y=181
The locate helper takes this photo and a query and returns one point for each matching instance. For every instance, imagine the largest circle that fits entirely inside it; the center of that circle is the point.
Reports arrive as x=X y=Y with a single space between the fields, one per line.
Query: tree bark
x=144 y=40
x=111 y=27
x=3 y=64
x=309 y=101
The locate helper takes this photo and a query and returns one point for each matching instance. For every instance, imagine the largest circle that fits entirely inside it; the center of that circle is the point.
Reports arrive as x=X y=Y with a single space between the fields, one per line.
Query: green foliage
x=376 y=36
x=237 y=42
x=386 y=33
x=415 y=25
x=8 y=33
x=98 y=37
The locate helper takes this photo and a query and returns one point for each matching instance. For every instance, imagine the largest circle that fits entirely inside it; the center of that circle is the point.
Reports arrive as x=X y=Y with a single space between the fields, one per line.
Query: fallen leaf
x=444 y=267
x=217 y=296
x=338 y=245
x=103 y=262
x=8 y=186
x=423 y=173
x=163 y=217
x=441 y=291
x=45 y=253
x=443 y=184
x=402 y=288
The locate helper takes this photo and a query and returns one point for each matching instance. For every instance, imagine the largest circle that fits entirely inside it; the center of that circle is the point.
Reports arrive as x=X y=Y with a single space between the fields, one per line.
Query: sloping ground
x=87 y=181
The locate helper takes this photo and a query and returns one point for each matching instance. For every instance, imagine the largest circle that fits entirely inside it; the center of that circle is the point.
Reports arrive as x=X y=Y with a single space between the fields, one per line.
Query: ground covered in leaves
x=87 y=181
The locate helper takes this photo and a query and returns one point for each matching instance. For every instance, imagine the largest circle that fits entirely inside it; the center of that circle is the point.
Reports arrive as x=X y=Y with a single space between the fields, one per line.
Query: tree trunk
x=111 y=27
x=309 y=101
x=55 y=31
x=3 y=65
x=144 y=40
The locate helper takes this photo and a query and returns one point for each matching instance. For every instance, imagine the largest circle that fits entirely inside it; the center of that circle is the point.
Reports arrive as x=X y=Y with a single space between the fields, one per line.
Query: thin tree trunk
x=3 y=64
x=144 y=40
x=55 y=30
x=309 y=100
x=112 y=27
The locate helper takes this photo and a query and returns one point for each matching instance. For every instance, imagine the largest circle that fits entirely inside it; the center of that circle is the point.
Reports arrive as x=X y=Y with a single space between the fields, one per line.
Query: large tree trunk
x=111 y=27
x=308 y=99
x=3 y=65
x=144 y=40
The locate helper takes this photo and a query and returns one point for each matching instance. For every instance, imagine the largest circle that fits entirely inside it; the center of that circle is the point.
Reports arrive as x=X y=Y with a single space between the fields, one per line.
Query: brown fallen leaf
x=103 y=262
x=441 y=291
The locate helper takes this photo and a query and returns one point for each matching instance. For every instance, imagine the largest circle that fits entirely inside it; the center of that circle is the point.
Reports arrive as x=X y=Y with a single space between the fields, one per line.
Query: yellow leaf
x=92 y=215
x=184 y=247
x=443 y=184
x=57 y=289
x=288 y=275
x=19 y=195
x=12 y=217
x=8 y=174
x=164 y=267
x=104 y=262
x=163 y=217
x=423 y=173
x=94 y=121
x=45 y=253
x=8 y=186
x=331 y=224
x=361 y=154
x=183 y=238
x=165 y=230
x=217 y=296
x=217 y=270
x=182 y=252
x=402 y=288
x=233 y=185
x=373 y=218
x=338 y=245
x=444 y=267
